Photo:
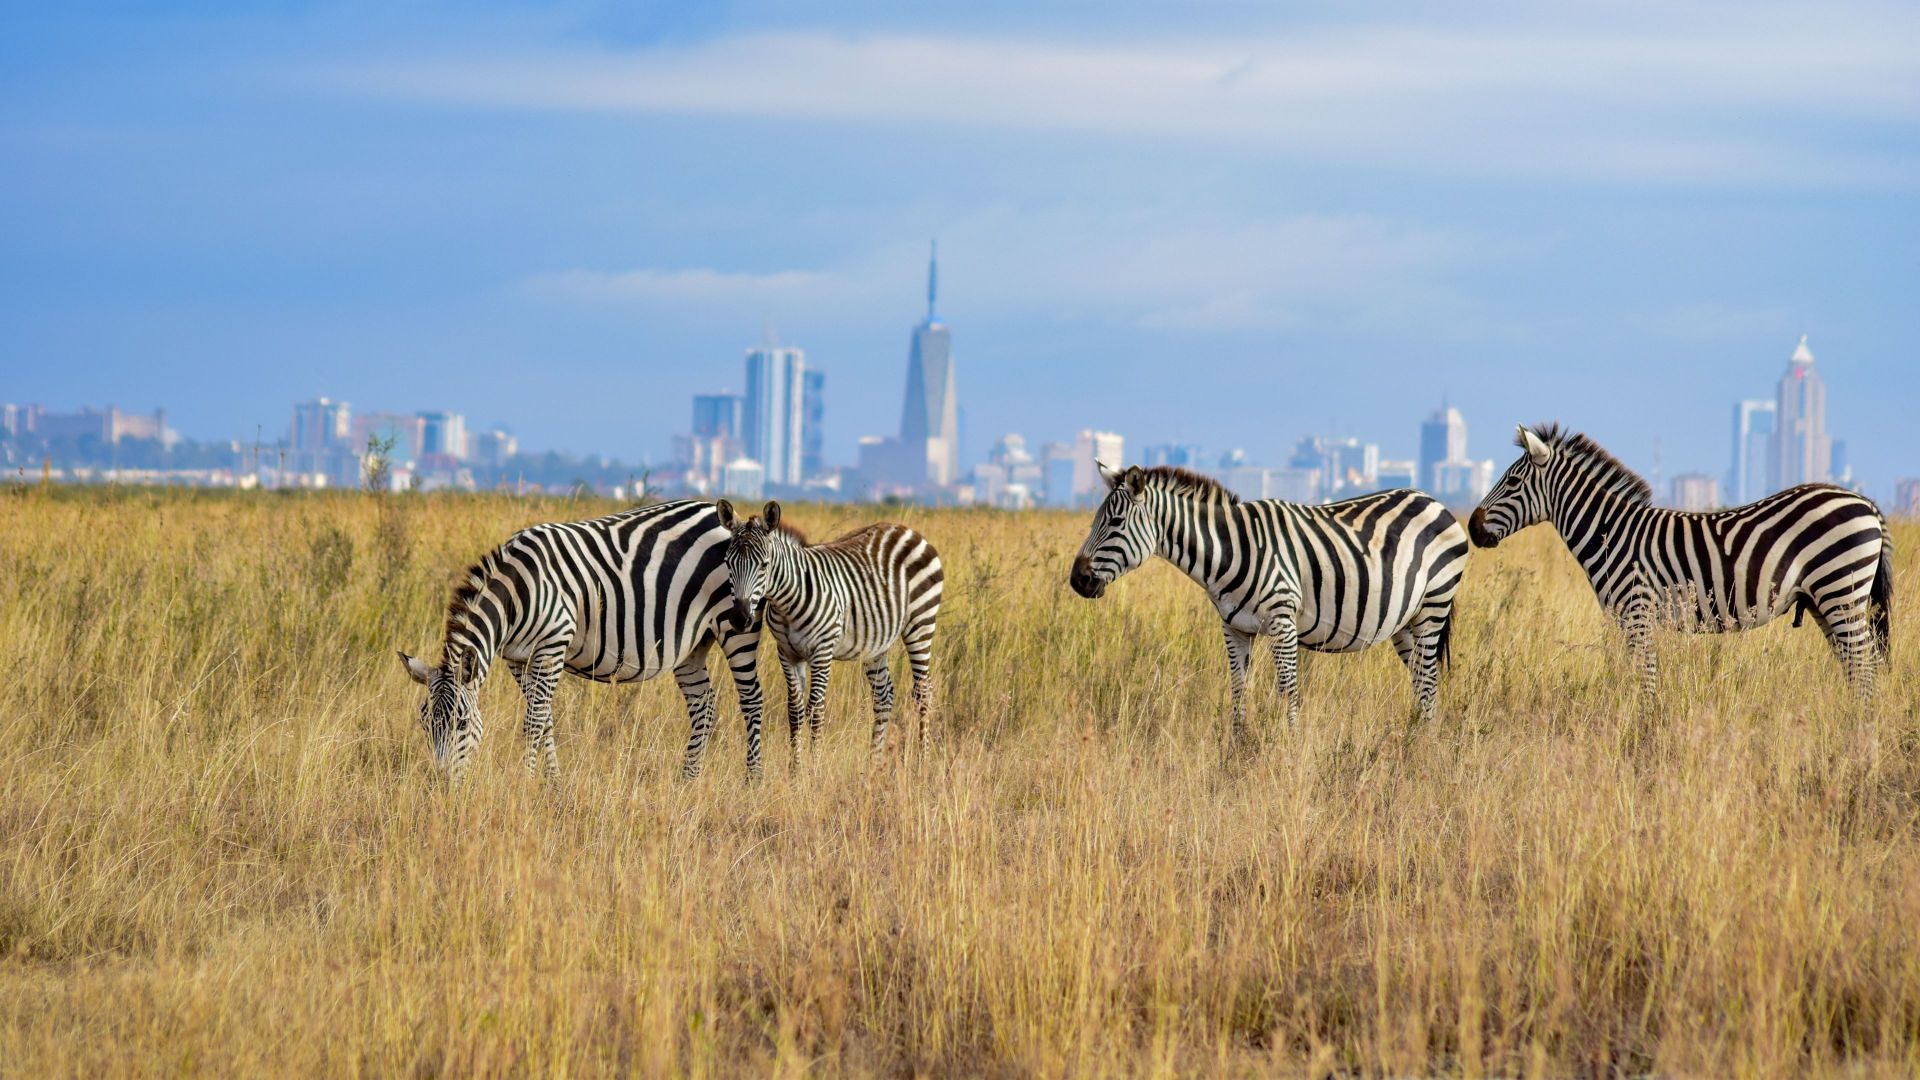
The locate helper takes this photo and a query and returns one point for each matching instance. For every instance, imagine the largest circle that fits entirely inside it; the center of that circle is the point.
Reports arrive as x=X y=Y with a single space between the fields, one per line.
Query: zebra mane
x=1187 y=482
x=460 y=609
x=1621 y=479
x=793 y=531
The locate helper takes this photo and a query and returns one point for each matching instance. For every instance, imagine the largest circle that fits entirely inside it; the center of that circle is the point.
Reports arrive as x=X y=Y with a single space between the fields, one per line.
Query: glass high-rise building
x=716 y=415
x=773 y=413
x=1804 y=451
x=813 y=416
x=929 y=420
x=1752 y=472
x=1443 y=438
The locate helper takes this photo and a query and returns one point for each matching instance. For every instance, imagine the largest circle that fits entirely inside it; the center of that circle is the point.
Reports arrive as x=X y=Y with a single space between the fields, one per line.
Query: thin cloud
x=1711 y=99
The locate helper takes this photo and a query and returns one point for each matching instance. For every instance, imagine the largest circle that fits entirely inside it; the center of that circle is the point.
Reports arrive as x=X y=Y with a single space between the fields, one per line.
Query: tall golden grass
x=223 y=852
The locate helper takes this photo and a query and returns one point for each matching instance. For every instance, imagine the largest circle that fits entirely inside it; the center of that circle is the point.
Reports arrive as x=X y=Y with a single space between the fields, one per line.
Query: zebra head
x=450 y=716
x=1520 y=498
x=749 y=559
x=1124 y=534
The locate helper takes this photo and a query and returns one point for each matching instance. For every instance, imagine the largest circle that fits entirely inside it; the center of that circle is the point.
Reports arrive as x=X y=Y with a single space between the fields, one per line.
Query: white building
x=1695 y=492
x=1090 y=450
x=744 y=479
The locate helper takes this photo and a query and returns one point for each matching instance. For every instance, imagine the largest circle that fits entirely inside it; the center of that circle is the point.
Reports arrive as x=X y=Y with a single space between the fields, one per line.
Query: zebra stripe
x=852 y=598
x=1815 y=548
x=1335 y=578
x=621 y=598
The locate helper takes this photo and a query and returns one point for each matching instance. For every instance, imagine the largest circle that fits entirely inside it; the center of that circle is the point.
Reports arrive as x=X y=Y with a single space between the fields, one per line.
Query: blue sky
x=1230 y=224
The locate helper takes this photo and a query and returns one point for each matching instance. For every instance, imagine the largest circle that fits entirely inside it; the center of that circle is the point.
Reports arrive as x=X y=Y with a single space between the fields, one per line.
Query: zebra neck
x=1589 y=521
x=787 y=565
x=473 y=638
x=1189 y=535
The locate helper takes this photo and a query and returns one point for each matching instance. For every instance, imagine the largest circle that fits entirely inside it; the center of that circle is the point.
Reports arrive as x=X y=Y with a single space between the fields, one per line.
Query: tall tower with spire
x=1804 y=453
x=929 y=418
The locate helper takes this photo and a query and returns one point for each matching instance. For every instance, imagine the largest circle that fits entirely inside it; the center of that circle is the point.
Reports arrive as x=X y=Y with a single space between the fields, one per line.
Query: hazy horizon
x=1225 y=227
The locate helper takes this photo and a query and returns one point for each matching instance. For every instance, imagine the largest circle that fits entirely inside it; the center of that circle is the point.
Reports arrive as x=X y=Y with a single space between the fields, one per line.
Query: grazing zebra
x=1813 y=548
x=615 y=599
x=1335 y=578
x=847 y=599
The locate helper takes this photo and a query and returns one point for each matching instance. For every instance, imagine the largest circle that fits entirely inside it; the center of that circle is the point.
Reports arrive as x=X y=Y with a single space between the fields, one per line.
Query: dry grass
x=222 y=852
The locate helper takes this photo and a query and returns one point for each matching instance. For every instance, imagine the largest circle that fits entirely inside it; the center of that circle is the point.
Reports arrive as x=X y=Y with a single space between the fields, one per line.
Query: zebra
x=1340 y=577
x=615 y=599
x=852 y=598
x=1814 y=548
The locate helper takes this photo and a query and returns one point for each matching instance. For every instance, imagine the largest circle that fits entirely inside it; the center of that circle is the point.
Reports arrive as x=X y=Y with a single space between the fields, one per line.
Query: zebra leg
x=537 y=680
x=920 y=660
x=743 y=662
x=882 y=682
x=1239 y=649
x=796 y=680
x=819 y=671
x=1419 y=649
x=1636 y=622
x=1286 y=661
x=697 y=688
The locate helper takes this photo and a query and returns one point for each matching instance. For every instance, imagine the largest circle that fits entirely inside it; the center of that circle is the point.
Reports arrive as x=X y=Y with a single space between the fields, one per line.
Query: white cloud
x=1157 y=270
x=1686 y=94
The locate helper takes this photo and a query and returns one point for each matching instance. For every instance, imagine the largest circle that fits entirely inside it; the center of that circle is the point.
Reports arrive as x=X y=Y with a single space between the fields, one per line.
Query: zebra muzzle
x=1478 y=531
x=1083 y=581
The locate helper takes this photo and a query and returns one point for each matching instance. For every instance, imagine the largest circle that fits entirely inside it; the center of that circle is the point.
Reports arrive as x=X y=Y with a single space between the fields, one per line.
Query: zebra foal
x=1814 y=548
x=619 y=598
x=1335 y=578
x=852 y=598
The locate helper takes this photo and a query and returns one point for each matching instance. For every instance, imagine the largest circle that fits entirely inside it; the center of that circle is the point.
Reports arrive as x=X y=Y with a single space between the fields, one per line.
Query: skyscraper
x=773 y=413
x=1751 y=475
x=1802 y=443
x=443 y=433
x=813 y=415
x=929 y=423
x=716 y=414
x=1443 y=438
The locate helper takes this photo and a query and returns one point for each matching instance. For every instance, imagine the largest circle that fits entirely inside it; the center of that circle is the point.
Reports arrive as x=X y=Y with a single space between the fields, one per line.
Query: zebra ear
x=1537 y=448
x=1134 y=478
x=771 y=514
x=727 y=516
x=1111 y=476
x=417 y=670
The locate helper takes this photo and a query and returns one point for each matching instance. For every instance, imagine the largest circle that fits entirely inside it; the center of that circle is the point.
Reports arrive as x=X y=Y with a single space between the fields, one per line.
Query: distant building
x=1346 y=466
x=1057 y=467
x=404 y=430
x=717 y=414
x=813 y=416
x=493 y=447
x=1461 y=483
x=929 y=419
x=108 y=425
x=774 y=413
x=1022 y=471
x=1296 y=485
x=319 y=425
x=1092 y=449
x=1754 y=459
x=1695 y=492
x=443 y=435
x=744 y=479
x=1906 y=497
x=1179 y=455
x=1804 y=451
x=1840 y=469
x=1396 y=474
x=1443 y=438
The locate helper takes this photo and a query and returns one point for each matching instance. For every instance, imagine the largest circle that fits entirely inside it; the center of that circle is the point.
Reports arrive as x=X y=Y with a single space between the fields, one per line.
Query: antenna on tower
x=933 y=275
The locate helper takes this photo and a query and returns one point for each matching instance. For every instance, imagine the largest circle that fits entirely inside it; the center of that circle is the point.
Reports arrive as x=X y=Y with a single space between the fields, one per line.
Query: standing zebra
x=1813 y=548
x=1335 y=578
x=616 y=599
x=847 y=599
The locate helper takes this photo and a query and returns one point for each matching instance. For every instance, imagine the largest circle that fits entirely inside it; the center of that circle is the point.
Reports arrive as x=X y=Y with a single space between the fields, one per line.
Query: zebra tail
x=1446 y=639
x=1882 y=597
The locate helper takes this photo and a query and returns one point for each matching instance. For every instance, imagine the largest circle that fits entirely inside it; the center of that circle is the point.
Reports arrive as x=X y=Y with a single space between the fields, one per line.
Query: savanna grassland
x=221 y=850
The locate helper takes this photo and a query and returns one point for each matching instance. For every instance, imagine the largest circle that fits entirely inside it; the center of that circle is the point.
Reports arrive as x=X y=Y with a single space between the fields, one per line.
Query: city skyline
x=506 y=214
